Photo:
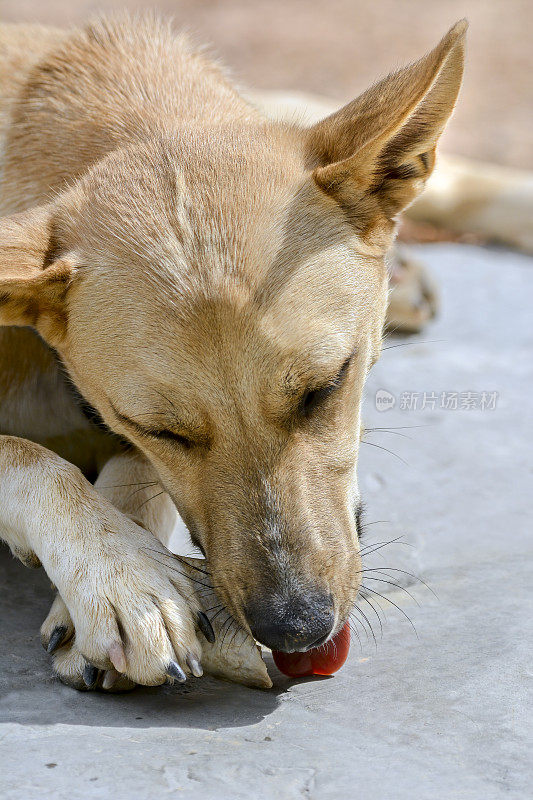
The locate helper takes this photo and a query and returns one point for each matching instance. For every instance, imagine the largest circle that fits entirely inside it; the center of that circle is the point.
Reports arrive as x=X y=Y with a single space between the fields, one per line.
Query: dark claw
x=58 y=634
x=206 y=627
x=194 y=666
x=175 y=671
x=90 y=675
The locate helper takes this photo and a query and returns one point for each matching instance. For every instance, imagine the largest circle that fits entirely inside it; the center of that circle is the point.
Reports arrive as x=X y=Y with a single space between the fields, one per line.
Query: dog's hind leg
x=413 y=296
x=130 y=608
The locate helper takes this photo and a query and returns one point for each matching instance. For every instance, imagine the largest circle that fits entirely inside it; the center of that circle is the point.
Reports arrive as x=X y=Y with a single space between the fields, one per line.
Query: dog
x=191 y=297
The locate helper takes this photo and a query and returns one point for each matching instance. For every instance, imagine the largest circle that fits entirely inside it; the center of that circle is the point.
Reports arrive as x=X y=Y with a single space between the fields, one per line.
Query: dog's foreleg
x=129 y=607
x=130 y=482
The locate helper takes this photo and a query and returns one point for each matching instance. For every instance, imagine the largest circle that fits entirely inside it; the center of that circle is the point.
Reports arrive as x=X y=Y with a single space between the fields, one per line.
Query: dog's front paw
x=74 y=670
x=70 y=666
x=130 y=609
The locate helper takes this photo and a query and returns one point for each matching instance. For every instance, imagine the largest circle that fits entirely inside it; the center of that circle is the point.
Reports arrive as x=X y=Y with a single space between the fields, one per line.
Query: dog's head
x=218 y=295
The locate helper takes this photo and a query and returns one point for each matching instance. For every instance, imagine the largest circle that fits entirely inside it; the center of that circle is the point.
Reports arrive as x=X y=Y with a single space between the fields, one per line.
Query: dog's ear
x=33 y=279
x=374 y=155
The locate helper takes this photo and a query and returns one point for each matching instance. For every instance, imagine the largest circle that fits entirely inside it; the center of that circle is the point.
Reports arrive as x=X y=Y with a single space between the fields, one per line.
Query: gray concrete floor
x=444 y=715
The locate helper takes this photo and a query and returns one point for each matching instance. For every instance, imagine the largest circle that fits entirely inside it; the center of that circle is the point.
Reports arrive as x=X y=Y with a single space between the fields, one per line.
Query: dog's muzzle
x=291 y=623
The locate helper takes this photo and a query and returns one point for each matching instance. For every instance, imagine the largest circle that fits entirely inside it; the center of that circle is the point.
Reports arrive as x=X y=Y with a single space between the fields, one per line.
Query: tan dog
x=214 y=285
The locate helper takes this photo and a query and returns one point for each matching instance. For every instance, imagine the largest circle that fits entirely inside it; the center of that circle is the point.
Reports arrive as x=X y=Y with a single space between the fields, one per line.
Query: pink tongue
x=324 y=660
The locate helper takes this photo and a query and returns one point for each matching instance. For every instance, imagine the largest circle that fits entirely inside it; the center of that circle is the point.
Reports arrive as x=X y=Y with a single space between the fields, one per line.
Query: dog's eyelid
x=334 y=382
x=339 y=377
x=314 y=396
x=185 y=441
x=125 y=419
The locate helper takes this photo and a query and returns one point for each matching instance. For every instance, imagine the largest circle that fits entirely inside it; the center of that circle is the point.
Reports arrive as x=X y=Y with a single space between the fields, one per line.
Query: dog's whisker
x=183 y=574
x=398 y=428
x=212 y=608
x=417 y=341
x=140 y=489
x=222 y=608
x=153 y=497
x=388 y=600
x=384 y=430
x=379 y=545
x=393 y=583
x=225 y=627
x=365 y=618
x=377 y=609
x=367 y=622
x=198 y=569
x=237 y=629
x=181 y=560
x=244 y=638
x=392 y=453
x=124 y=485
x=363 y=597
x=175 y=557
x=353 y=629
x=404 y=572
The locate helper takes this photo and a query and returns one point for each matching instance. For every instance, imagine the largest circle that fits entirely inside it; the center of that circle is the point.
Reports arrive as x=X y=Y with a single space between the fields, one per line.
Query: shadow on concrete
x=30 y=695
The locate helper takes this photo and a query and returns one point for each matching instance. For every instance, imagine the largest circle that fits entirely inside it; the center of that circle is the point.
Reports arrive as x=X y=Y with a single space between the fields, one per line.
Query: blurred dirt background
x=339 y=47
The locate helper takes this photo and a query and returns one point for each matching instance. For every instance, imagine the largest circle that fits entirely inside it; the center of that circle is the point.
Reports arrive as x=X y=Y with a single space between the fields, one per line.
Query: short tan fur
x=215 y=285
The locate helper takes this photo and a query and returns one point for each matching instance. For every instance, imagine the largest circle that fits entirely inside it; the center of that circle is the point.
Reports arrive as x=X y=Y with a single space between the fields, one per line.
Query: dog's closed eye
x=186 y=442
x=312 y=399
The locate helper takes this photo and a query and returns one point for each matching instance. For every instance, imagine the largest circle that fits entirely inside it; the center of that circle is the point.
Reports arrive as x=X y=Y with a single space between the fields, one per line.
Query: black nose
x=291 y=624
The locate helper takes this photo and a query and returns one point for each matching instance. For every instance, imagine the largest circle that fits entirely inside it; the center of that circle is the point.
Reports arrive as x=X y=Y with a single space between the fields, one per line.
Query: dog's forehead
x=201 y=203
x=206 y=201
x=240 y=228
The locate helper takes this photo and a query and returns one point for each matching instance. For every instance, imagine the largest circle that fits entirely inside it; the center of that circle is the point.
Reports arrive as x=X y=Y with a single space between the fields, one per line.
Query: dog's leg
x=130 y=609
x=413 y=297
x=131 y=484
